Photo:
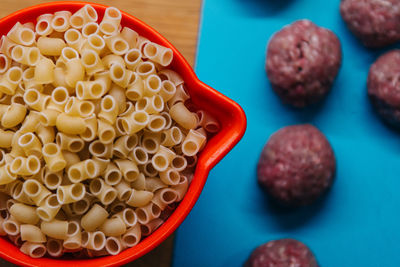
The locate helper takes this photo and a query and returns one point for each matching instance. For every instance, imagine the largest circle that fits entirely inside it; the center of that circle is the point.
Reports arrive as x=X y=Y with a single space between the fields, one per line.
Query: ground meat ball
x=384 y=87
x=282 y=253
x=297 y=165
x=375 y=22
x=302 y=62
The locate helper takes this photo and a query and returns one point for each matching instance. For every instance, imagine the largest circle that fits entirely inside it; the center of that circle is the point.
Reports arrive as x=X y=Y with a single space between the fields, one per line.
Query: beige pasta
x=109 y=109
x=35 y=191
x=55 y=228
x=139 y=155
x=36 y=100
x=54 y=247
x=101 y=165
x=60 y=21
x=45 y=134
x=135 y=122
x=119 y=75
x=5 y=63
x=43 y=25
x=24 y=214
x=50 y=46
x=180 y=96
x=168 y=74
x=34 y=250
x=68 y=142
x=162 y=159
x=113 y=245
x=151 y=226
x=157 y=53
x=80 y=207
x=91 y=129
x=81 y=108
x=128 y=169
x=119 y=95
x=100 y=150
x=70 y=124
x=53 y=157
x=193 y=143
x=139 y=183
x=112 y=175
x=139 y=198
x=153 y=184
x=124 y=191
x=113 y=227
x=147 y=213
x=98 y=139
x=11 y=226
x=183 y=116
x=105 y=132
x=96 y=43
x=117 y=44
x=164 y=197
x=32 y=233
x=94 y=218
x=25 y=166
x=18 y=194
x=74 y=39
x=70 y=193
x=30 y=144
x=48 y=210
x=132 y=236
x=130 y=36
x=82 y=170
x=9 y=81
x=75 y=72
x=21 y=35
x=128 y=216
x=170 y=177
x=91 y=61
x=25 y=55
x=104 y=192
x=6 y=138
x=83 y=16
x=44 y=71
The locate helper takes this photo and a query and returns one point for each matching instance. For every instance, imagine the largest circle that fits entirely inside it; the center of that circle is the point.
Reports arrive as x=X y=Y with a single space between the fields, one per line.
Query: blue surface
x=357 y=223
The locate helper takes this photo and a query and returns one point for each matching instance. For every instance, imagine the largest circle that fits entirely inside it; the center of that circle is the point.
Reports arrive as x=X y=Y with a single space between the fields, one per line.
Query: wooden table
x=177 y=20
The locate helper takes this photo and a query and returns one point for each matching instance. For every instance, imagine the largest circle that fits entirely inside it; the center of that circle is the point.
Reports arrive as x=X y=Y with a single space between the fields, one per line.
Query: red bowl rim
x=232 y=137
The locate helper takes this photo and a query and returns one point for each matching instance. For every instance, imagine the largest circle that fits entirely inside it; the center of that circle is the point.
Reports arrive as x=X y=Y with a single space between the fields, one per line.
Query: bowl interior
x=228 y=113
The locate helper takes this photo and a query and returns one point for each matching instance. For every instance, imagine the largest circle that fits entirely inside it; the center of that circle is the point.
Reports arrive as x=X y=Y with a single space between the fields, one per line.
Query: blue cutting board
x=357 y=223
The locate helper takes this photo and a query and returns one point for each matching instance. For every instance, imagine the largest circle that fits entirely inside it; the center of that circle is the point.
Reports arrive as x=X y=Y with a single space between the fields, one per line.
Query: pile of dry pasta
x=97 y=144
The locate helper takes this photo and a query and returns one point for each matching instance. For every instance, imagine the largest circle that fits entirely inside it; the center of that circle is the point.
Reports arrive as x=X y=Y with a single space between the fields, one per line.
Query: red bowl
x=229 y=114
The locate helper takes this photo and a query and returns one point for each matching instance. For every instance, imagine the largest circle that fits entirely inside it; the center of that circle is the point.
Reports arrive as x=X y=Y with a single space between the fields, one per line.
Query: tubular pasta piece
x=55 y=228
x=70 y=124
x=50 y=46
x=32 y=233
x=139 y=198
x=49 y=209
x=113 y=227
x=94 y=218
x=183 y=116
x=53 y=157
x=24 y=213
x=34 y=250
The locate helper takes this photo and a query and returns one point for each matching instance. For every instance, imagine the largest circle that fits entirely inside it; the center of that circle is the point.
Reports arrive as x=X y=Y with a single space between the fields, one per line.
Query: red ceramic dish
x=228 y=113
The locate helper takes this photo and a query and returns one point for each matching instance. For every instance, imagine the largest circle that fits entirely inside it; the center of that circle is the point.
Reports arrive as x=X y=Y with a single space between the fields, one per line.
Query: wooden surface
x=177 y=20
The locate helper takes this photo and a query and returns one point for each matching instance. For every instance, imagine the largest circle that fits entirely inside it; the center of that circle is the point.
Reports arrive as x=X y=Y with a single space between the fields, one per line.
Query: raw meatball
x=375 y=22
x=297 y=165
x=302 y=62
x=384 y=87
x=282 y=253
